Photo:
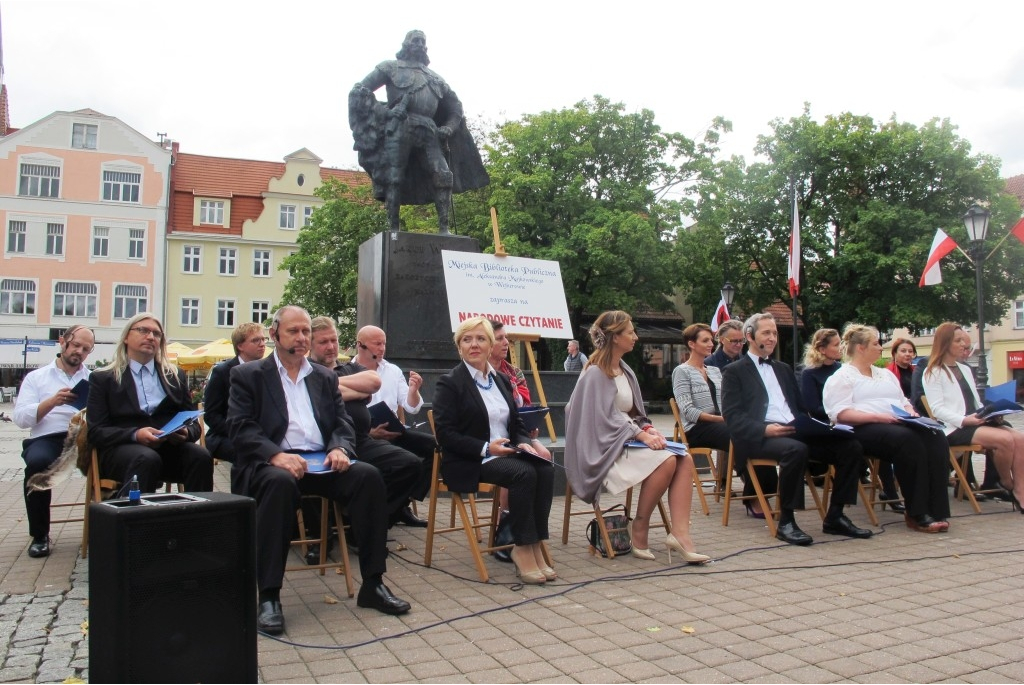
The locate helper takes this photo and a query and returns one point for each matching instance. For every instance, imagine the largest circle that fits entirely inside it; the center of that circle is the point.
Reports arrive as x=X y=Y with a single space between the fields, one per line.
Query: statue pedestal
x=401 y=290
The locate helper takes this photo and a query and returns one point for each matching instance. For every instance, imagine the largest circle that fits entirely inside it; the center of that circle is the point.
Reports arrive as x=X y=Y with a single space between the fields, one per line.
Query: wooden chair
x=703 y=461
x=81 y=441
x=866 y=493
x=469 y=519
x=870 y=493
x=770 y=512
x=325 y=533
x=958 y=458
x=598 y=514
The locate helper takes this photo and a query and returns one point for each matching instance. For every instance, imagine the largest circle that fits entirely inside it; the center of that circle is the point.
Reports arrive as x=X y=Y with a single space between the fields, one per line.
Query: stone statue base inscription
x=401 y=290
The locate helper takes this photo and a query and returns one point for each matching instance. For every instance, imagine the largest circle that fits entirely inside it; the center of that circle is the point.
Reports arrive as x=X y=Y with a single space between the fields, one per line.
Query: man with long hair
x=131 y=399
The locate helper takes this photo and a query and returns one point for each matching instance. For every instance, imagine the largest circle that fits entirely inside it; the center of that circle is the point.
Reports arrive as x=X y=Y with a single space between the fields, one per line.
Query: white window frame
x=189 y=306
x=54 y=239
x=16 y=236
x=192 y=256
x=130 y=296
x=262 y=260
x=1018 y=313
x=225 y=313
x=211 y=212
x=307 y=215
x=100 y=238
x=137 y=244
x=260 y=311
x=122 y=185
x=33 y=182
x=227 y=262
x=84 y=136
x=82 y=294
x=10 y=289
x=287 y=217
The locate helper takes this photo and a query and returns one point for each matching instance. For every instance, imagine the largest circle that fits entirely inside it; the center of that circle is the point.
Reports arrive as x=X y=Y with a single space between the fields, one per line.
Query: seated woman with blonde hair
x=954 y=400
x=482 y=438
x=604 y=413
x=862 y=395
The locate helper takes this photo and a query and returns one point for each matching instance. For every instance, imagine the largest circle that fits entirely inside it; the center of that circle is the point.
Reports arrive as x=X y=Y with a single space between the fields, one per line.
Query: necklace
x=490 y=382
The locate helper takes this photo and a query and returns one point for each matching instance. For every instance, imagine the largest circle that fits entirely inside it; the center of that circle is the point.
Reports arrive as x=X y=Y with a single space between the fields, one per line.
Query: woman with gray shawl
x=604 y=413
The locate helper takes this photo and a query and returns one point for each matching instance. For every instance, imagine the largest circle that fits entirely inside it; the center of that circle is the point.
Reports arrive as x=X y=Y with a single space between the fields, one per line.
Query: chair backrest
x=78 y=430
x=678 y=435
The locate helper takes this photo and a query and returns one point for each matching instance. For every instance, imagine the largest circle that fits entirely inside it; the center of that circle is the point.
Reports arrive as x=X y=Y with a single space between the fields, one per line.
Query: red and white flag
x=720 y=317
x=942 y=245
x=794 y=253
x=1018 y=231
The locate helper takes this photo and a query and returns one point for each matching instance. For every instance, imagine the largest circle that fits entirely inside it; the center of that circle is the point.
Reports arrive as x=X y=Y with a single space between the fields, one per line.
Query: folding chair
x=958 y=458
x=325 y=533
x=870 y=494
x=469 y=519
x=598 y=513
x=703 y=461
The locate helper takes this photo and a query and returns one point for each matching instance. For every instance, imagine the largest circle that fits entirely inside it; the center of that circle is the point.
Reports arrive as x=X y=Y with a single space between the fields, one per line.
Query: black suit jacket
x=113 y=411
x=463 y=427
x=258 y=415
x=745 y=402
x=215 y=404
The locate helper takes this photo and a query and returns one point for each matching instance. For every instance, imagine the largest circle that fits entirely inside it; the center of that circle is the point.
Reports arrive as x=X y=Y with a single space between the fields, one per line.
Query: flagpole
x=795 y=295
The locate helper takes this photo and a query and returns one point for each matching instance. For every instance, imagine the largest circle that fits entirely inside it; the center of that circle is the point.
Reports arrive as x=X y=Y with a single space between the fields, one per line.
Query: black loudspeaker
x=172 y=590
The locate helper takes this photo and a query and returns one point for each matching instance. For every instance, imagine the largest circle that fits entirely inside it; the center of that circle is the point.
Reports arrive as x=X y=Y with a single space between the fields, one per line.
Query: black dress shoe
x=791 y=533
x=894 y=502
x=40 y=547
x=380 y=598
x=844 y=526
x=271 y=618
x=406 y=517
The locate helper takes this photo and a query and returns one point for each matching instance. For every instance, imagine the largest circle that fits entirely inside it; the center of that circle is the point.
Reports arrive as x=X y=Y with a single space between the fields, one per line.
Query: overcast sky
x=260 y=79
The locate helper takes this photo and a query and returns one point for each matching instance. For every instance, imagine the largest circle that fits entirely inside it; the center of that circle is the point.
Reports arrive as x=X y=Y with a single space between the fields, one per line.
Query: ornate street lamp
x=976 y=222
x=728 y=292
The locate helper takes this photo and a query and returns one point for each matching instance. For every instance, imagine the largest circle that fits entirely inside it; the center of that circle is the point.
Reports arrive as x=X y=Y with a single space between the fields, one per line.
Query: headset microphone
x=360 y=343
x=290 y=350
x=277 y=337
x=761 y=346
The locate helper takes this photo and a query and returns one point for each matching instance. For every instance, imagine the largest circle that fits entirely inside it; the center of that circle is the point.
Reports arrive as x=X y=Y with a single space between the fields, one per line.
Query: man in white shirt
x=395 y=391
x=46 y=404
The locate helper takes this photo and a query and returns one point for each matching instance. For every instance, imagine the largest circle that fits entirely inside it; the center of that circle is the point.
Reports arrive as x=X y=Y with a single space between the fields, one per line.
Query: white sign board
x=525 y=294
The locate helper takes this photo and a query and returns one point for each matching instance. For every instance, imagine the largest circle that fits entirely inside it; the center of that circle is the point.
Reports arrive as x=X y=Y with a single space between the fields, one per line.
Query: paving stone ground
x=900 y=607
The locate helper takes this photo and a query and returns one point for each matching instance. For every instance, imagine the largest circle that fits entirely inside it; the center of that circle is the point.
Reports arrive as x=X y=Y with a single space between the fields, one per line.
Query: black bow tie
x=764 y=360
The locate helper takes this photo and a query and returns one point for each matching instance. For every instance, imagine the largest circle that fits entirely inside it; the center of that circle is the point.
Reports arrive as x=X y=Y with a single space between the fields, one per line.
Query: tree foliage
x=870 y=198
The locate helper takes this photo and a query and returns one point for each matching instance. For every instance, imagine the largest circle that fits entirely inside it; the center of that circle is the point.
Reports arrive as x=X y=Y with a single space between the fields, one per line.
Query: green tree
x=325 y=268
x=588 y=187
x=870 y=198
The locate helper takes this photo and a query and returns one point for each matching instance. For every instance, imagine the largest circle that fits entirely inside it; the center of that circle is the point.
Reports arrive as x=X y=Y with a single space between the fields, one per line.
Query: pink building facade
x=83 y=206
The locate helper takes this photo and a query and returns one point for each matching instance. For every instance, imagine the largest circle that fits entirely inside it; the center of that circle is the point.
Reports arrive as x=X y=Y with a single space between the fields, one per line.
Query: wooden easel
x=527 y=340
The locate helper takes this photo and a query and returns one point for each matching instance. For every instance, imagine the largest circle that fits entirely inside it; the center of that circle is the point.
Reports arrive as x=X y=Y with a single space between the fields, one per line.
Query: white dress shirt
x=779 y=410
x=394 y=389
x=303 y=433
x=39 y=385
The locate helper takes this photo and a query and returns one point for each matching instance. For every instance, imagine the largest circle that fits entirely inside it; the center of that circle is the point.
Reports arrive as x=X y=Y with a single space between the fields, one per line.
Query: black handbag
x=503 y=536
x=617 y=526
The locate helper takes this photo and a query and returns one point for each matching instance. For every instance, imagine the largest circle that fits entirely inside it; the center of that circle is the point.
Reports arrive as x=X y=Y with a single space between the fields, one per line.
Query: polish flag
x=942 y=245
x=720 y=317
x=1018 y=231
x=794 y=254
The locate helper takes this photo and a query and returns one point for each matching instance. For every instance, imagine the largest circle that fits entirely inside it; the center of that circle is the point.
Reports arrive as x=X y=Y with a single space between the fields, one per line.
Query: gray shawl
x=595 y=431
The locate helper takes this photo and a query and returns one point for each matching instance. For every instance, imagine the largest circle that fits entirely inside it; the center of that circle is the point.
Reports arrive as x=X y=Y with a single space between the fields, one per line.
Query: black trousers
x=921 y=460
x=183 y=462
x=530 y=484
x=38 y=454
x=422 y=445
x=361 y=492
x=399 y=468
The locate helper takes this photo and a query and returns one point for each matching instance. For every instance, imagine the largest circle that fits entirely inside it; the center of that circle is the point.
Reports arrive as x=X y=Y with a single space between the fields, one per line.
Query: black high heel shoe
x=1013 y=498
x=751 y=513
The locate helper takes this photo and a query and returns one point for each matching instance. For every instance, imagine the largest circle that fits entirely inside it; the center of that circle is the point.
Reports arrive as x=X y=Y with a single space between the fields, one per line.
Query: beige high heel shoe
x=689 y=557
x=535 y=577
x=637 y=552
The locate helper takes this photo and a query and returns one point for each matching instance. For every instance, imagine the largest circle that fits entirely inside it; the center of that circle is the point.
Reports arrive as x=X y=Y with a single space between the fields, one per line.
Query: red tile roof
x=1015 y=187
x=242 y=180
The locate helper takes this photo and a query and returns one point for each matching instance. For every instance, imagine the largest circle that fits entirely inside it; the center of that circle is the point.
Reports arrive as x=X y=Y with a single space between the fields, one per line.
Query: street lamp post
x=976 y=222
x=728 y=292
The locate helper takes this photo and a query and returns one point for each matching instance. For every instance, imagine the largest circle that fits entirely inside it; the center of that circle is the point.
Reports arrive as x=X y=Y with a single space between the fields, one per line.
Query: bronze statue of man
x=416 y=147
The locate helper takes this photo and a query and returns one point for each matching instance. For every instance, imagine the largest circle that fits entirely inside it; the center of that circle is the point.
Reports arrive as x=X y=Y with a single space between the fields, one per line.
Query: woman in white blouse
x=949 y=387
x=861 y=395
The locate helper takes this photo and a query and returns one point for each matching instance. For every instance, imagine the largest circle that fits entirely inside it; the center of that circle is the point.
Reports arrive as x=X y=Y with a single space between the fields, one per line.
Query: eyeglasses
x=146 y=332
x=737 y=341
x=259 y=341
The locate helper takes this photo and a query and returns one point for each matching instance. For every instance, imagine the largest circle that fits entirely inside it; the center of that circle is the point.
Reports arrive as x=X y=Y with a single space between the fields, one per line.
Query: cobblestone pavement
x=900 y=607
